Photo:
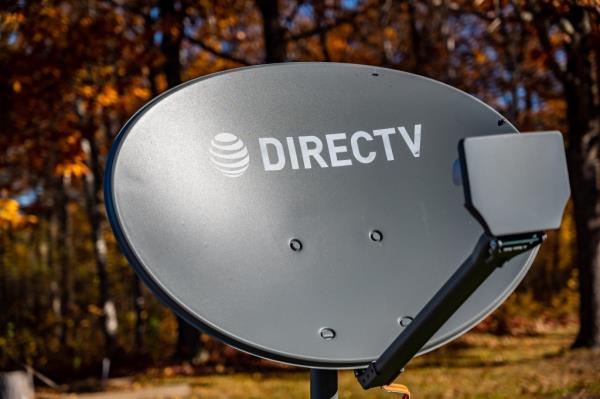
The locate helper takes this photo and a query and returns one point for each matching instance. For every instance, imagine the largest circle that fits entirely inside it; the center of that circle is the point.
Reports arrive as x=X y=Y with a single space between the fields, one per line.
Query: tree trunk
x=189 y=347
x=273 y=33
x=580 y=86
x=93 y=187
x=387 y=50
x=319 y=10
x=4 y=297
x=416 y=40
x=62 y=247
x=584 y=178
x=138 y=306
x=188 y=338
x=583 y=117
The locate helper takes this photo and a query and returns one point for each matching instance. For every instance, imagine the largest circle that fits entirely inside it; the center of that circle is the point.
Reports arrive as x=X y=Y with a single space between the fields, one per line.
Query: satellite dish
x=304 y=212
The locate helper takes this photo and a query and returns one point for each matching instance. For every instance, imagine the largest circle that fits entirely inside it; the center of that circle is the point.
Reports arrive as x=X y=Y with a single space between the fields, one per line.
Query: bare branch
x=319 y=29
x=290 y=18
x=216 y=52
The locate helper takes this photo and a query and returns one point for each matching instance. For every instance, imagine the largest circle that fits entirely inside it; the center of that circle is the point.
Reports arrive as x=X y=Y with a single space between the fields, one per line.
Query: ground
x=476 y=366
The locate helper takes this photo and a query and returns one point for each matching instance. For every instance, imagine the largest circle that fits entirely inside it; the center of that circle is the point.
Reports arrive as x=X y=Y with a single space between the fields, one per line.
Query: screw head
x=295 y=244
x=327 y=333
x=404 y=321
x=376 y=236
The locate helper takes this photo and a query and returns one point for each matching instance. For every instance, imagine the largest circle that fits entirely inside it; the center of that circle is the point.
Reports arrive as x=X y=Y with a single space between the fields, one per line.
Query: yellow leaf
x=11 y=215
x=141 y=92
x=87 y=91
x=480 y=57
x=108 y=97
x=72 y=168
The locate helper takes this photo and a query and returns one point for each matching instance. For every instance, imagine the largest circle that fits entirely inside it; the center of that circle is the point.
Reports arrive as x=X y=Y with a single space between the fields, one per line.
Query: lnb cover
x=515 y=183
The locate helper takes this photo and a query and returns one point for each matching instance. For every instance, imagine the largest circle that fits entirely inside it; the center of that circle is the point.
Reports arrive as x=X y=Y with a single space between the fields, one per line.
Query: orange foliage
x=11 y=216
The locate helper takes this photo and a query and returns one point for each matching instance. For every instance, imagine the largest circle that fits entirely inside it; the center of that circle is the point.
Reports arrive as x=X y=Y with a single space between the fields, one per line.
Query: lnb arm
x=488 y=254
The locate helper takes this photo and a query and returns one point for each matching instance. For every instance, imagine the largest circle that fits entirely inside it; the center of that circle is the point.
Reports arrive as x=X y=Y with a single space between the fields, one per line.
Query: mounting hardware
x=295 y=244
x=405 y=321
x=376 y=236
x=327 y=333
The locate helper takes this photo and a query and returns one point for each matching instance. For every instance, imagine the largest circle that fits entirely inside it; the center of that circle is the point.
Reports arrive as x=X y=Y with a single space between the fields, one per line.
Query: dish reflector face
x=303 y=212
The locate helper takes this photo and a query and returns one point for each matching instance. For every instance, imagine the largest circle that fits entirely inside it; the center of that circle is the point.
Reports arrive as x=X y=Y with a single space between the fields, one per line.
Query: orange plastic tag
x=399 y=389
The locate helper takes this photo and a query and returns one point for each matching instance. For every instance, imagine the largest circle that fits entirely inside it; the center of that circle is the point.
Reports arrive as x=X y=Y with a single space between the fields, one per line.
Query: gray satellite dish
x=306 y=212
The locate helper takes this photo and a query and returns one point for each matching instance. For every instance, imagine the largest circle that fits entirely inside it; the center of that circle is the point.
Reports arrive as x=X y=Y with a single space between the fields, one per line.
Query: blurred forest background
x=72 y=72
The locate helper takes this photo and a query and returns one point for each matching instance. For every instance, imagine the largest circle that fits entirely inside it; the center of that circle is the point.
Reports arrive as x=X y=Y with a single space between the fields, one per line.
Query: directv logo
x=230 y=156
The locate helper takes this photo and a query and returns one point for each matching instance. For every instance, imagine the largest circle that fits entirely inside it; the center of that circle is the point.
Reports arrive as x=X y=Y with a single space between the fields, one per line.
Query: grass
x=476 y=366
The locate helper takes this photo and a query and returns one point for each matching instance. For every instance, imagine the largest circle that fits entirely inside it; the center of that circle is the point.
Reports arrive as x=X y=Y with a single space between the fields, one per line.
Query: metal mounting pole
x=323 y=384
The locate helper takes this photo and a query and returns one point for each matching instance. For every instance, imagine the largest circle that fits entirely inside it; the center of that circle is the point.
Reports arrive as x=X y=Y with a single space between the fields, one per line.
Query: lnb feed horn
x=516 y=186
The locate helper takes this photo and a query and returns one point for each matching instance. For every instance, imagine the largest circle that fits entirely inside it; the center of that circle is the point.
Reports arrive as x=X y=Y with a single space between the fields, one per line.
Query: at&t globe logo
x=229 y=154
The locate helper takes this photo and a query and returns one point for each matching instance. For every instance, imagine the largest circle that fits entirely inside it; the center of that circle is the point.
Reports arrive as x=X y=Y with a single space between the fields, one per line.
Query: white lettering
x=385 y=137
x=337 y=149
x=292 y=151
x=314 y=152
x=267 y=163
x=355 y=150
x=414 y=145
x=273 y=151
